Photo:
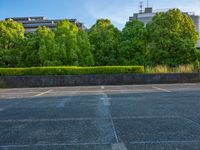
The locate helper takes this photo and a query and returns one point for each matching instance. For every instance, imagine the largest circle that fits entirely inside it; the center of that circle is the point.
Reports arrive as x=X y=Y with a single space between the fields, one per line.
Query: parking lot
x=129 y=117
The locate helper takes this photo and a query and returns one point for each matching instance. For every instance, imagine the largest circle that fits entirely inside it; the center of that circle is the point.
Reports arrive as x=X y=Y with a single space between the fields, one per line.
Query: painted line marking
x=83 y=119
x=161 y=89
x=65 y=100
x=114 y=130
x=194 y=122
x=106 y=101
x=147 y=117
x=102 y=87
x=163 y=142
x=51 y=120
x=43 y=93
x=54 y=144
x=118 y=146
x=19 y=93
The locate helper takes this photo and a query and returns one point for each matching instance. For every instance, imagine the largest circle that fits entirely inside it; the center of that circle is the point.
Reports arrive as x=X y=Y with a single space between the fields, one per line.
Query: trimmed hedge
x=72 y=70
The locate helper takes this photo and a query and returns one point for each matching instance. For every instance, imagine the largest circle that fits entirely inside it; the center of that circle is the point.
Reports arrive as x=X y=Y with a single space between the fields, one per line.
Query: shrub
x=185 y=69
x=166 y=69
x=72 y=70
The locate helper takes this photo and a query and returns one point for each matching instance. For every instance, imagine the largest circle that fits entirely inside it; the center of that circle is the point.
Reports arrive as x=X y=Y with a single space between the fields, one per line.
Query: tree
x=133 y=46
x=197 y=51
x=41 y=49
x=85 y=48
x=172 y=39
x=30 y=55
x=66 y=38
x=105 y=39
x=11 y=43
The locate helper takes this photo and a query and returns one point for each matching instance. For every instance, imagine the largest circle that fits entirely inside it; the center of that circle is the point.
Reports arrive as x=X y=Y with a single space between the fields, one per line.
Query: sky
x=88 y=11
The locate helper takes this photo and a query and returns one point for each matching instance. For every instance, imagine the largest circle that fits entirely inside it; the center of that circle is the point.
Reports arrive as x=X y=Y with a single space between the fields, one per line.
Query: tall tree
x=40 y=49
x=172 y=39
x=85 y=49
x=66 y=38
x=105 y=39
x=11 y=43
x=133 y=46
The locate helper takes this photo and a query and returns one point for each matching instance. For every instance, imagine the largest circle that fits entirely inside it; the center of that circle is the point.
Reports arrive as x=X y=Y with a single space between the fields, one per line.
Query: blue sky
x=87 y=11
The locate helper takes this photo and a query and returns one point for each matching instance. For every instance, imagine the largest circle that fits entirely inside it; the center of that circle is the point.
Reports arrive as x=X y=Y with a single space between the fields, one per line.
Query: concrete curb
x=91 y=80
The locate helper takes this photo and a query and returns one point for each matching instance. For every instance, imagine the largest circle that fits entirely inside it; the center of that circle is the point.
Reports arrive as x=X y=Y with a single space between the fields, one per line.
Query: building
x=32 y=23
x=147 y=15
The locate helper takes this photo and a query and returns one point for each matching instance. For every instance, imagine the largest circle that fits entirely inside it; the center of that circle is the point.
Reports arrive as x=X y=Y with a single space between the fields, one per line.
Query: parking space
x=141 y=117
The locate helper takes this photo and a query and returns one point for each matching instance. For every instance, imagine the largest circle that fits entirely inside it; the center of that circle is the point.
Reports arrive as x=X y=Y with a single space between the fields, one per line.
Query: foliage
x=85 y=49
x=105 y=39
x=168 y=40
x=197 y=51
x=133 y=46
x=72 y=70
x=66 y=38
x=172 y=39
x=188 y=68
x=11 y=41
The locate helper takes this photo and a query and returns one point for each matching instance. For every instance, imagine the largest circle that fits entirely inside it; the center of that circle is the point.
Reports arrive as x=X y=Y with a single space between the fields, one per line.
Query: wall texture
x=89 y=80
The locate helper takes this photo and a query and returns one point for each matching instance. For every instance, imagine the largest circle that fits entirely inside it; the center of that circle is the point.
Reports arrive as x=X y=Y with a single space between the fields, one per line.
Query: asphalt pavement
x=129 y=117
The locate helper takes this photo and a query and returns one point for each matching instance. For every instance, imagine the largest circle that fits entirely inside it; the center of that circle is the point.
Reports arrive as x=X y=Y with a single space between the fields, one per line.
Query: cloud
x=118 y=11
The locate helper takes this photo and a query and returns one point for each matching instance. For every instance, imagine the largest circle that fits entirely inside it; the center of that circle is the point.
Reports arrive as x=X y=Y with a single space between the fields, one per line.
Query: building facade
x=148 y=14
x=32 y=23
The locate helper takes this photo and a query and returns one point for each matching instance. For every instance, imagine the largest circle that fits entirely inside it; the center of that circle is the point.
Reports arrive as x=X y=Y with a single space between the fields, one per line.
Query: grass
x=166 y=69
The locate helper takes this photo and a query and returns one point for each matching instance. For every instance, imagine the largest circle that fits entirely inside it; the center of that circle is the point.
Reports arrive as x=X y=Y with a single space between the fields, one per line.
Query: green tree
x=66 y=38
x=85 y=49
x=11 y=43
x=30 y=55
x=105 y=39
x=41 y=49
x=197 y=51
x=133 y=46
x=172 y=39
x=49 y=54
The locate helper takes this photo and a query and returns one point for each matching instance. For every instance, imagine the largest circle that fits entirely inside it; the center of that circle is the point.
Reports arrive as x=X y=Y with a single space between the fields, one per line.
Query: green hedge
x=72 y=70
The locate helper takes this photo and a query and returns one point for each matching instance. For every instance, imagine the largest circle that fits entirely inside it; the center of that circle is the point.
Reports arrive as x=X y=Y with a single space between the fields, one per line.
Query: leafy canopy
x=172 y=39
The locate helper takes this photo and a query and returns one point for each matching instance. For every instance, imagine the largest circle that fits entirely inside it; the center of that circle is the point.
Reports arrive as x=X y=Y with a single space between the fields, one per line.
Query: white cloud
x=118 y=11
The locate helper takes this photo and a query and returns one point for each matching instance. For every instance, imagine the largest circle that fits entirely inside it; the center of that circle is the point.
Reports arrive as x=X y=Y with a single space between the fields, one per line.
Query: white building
x=32 y=23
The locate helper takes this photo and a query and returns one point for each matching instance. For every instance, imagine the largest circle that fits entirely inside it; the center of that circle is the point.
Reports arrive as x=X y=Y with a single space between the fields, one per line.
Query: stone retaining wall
x=90 y=80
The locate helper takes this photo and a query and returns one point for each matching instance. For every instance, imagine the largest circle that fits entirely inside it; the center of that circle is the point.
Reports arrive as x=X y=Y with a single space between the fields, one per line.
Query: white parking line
x=18 y=93
x=161 y=89
x=106 y=101
x=163 y=142
x=119 y=146
x=65 y=100
x=89 y=118
x=43 y=93
x=52 y=144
